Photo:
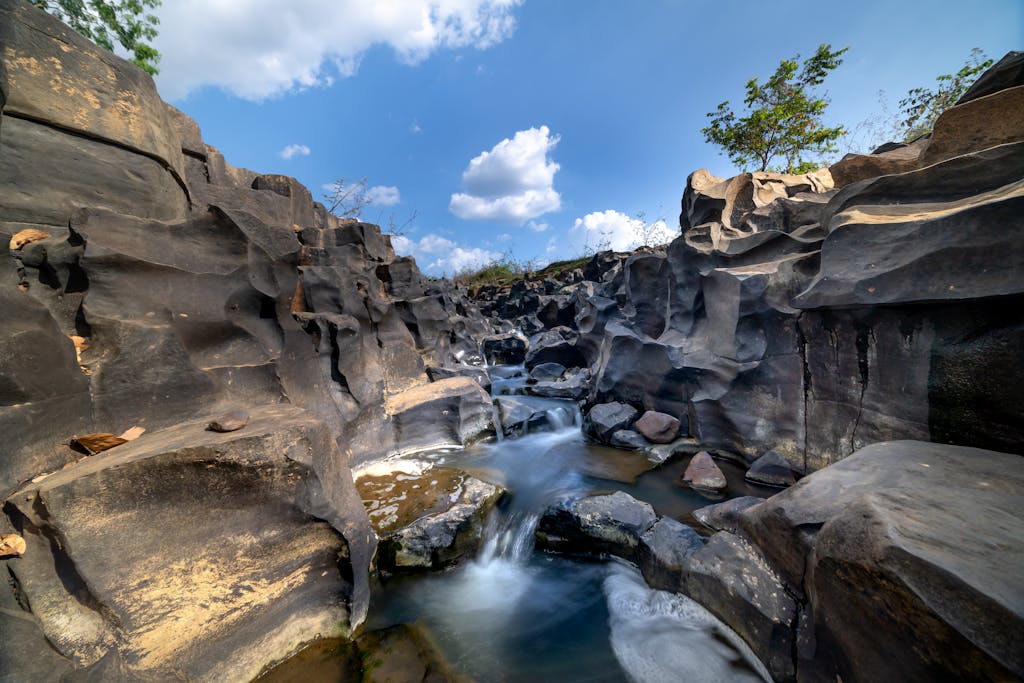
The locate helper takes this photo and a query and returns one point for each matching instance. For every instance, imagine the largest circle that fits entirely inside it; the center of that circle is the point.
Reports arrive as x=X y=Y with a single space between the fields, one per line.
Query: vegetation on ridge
x=784 y=118
x=104 y=21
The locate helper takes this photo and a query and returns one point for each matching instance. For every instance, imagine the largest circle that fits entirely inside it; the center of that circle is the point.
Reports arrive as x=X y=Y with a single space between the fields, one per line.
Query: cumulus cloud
x=261 y=48
x=293 y=150
x=615 y=230
x=438 y=255
x=513 y=182
x=383 y=195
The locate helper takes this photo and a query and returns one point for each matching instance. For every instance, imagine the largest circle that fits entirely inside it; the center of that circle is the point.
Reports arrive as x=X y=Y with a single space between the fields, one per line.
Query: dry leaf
x=28 y=236
x=12 y=544
x=133 y=433
x=90 y=444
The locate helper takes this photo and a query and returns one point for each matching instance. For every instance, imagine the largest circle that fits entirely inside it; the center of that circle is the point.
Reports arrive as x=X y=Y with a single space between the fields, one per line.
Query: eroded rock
x=611 y=524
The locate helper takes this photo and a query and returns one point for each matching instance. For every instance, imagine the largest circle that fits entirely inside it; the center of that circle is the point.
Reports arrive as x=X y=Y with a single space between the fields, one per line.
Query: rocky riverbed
x=235 y=424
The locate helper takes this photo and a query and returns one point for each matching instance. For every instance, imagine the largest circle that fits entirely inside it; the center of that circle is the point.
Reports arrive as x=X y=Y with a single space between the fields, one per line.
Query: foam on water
x=659 y=636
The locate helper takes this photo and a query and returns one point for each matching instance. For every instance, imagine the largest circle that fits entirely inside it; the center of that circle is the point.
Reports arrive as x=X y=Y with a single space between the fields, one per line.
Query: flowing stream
x=515 y=614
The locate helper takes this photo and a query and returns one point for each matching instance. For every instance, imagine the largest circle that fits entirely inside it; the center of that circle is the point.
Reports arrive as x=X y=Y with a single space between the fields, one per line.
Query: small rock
x=605 y=419
x=627 y=438
x=658 y=427
x=703 y=473
x=231 y=421
x=547 y=372
x=12 y=545
x=772 y=469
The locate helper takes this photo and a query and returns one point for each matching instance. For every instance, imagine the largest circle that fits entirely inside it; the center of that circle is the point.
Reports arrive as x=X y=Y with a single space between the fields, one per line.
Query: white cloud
x=292 y=150
x=615 y=230
x=438 y=255
x=383 y=195
x=261 y=48
x=537 y=227
x=513 y=182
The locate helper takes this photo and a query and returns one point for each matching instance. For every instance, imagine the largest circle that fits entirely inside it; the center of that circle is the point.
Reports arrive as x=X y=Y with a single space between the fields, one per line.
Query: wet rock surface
x=426 y=520
x=609 y=524
x=702 y=473
x=772 y=469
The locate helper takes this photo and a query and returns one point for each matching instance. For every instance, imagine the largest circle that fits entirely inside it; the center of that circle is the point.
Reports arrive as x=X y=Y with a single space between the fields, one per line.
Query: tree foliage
x=128 y=22
x=783 y=119
x=922 y=106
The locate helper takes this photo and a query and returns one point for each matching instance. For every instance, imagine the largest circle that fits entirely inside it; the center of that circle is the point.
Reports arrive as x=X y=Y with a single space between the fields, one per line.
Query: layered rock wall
x=148 y=283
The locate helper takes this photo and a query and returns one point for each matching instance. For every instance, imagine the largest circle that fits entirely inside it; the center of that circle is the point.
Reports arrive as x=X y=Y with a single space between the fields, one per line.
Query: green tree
x=922 y=106
x=783 y=120
x=104 y=21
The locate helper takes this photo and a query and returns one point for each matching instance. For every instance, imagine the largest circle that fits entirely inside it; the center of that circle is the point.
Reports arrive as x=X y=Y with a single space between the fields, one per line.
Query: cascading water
x=513 y=614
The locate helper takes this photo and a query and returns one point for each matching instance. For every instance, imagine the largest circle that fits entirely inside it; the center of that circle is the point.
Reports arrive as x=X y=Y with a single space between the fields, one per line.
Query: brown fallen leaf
x=28 y=236
x=90 y=444
x=133 y=433
x=12 y=544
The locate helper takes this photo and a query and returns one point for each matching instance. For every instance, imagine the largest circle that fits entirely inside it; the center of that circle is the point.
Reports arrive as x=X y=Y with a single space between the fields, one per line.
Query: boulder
x=663 y=553
x=907 y=577
x=505 y=349
x=771 y=469
x=279 y=515
x=658 y=427
x=575 y=386
x=440 y=538
x=547 y=372
x=627 y=438
x=703 y=473
x=734 y=583
x=605 y=419
x=453 y=411
x=596 y=525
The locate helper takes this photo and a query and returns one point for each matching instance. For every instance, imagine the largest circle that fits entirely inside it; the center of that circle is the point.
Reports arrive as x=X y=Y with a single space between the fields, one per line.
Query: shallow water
x=513 y=614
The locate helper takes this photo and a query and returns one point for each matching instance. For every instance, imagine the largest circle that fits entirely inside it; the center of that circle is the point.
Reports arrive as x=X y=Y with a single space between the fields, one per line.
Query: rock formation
x=812 y=315
x=150 y=283
x=251 y=349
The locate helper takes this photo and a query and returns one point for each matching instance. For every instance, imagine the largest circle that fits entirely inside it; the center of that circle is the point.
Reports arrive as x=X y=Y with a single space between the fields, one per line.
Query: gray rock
x=505 y=349
x=772 y=469
x=908 y=578
x=576 y=386
x=596 y=525
x=735 y=583
x=725 y=516
x=658 y=427
x=547 y=372
x=1008 y=72
x=663 y=553
x=627 y=438
x=605 y=419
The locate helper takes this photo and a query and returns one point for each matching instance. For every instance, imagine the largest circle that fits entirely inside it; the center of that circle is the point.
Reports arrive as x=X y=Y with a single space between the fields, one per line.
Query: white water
x=662 y=637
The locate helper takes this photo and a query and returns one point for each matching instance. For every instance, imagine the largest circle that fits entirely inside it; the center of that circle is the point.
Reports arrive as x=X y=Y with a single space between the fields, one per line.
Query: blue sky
x=537 y=128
